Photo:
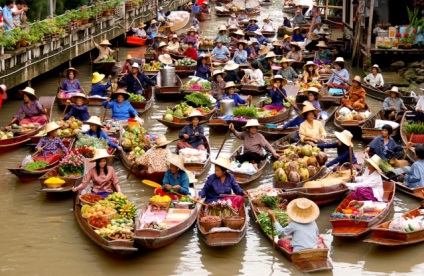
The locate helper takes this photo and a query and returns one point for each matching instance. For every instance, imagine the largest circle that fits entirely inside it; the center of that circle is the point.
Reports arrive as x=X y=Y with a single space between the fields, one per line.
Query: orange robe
x=356 y=98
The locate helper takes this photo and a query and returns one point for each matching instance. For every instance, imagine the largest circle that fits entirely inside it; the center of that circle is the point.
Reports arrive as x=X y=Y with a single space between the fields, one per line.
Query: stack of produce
x=193 y=155
x=364 y=210
x=245 y=111
x=124 y=207
x=185 y=62
x=91 y=198
x=96 y=210
x=36 y=165
x=385 y=166
x=109 y=59
x=306 y=86
x=345 y=114
x=199 y=84
x=135 y=137
x=72 y=165
x=69 y=127
x=182 y=110
x=5 y=135
x=206 y=41
x=246 y=167
x=136 y=98
x=21 y=128
x=298 y=163
x=221 y=208
x=91 y=142
x=153 y=66
x=266 y=223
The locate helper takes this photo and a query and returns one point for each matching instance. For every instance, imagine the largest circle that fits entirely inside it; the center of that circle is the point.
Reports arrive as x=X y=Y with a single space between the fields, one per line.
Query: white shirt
x=377 y=80
x=232 y=22
x=139 y=32
x=17 y=17
x=373 y=181
x=255 y=75
x=173 y=46
x=268 y=26
x=420 y=103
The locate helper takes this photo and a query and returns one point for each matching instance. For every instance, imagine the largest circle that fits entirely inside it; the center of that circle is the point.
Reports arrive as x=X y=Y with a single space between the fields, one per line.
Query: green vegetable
x=265 y=221
x=136 y=98
x=270 y=201
x=246 y=111
x=90 y=141
x=414 y=128
x=36 y=165
x=385 y=166
x=184 y=199
x=198 y=99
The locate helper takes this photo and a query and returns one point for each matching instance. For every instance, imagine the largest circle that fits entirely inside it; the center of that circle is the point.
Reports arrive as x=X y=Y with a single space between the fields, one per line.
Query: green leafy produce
x=136 y=98
x=246 y=111
x=206 y=85
x=198 y=99
x=184 y=199
x=266 y=224
x=270 y=201
x=109 y=59
x=414 y=128
x=36 y=165
x=85 y=140
x=385 y=166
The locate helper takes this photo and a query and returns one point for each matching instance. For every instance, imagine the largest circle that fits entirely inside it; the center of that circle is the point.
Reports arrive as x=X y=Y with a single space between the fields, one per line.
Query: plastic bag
x=28 y=159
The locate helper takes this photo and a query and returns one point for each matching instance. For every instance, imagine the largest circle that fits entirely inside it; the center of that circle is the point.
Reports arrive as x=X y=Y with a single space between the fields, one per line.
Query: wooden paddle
x=64 y=110
x=351 y=162
x=223 y=142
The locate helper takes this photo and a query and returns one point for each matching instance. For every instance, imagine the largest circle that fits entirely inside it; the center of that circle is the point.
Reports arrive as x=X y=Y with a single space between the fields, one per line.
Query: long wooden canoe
x=145 y=105
x=244 y=179
x=414 y=192
x=179 y=123
x=406 y=96
x=384 y=236
x=169 y=92
x=279 y=117
x=354 y=228
x=275 y=133
x=253 y=89
x=218 y=125
x=263 y=3
x=264 y=33
x=117 y=247
x=369 y=132
x=308 y=260
x=107 y=67
x=202 y=16
x=196 y=167
x=353 y=126
x=67 y=187
x=321 y=196
x=222 y=236
x=19 y=139
x=287 y=185
x=328 y=98
x=53 y=160
x=410 y=151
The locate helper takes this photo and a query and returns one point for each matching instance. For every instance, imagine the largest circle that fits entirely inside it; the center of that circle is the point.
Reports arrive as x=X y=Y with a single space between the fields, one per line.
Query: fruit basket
x=90 y=199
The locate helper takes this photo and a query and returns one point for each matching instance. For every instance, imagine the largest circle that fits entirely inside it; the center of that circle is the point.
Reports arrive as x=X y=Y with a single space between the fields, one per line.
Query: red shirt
x=191 y=53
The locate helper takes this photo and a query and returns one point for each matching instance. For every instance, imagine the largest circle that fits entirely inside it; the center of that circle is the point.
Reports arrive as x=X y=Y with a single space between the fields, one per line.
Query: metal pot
x=167 y=75
x=227 y=106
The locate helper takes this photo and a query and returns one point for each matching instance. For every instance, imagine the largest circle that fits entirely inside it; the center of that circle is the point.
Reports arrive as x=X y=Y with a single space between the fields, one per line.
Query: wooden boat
x=218 y=125
x=185 y=71
x=263 y=3
x=106 y=67
x=279 y=117
x=145 y=105
x=309 y=260
x=410 y=152
x=19 y=139
x=53 y=160
x=196 y=167
x=321 y=196
x=202 y=16
x=264 y=33
x=287 y=185
x=353 y=126
x=169 y=92
x=222 y=236
x=329 y=99
x=253 y=89
x=414 y=192
x=283 y=30
x=369 y=132
x=226 y=13
x=244 y=179
x=67 y=187
x=408 y=98
x=384 y=236
x=357 y=227
x=117 y=247
x=179 y=123
x=289 y=9
x=135 y=41
x=275 y=133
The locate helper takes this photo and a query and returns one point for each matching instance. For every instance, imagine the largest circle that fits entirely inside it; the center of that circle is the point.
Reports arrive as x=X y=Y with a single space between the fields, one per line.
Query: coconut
x=321 y=158
x=294 y=176
x=306 y=150
x=312 y=170
x=312 y=161
x=304 y=173
x=293 y=166
x=168 y=117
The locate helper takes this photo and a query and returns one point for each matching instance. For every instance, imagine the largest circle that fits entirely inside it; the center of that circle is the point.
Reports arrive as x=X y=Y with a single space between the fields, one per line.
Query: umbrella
x=246 y=4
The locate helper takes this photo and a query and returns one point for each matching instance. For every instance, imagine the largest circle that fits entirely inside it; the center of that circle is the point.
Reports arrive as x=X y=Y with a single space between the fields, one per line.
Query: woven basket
x=160 y=206
x=208 y=225
x=235 y=222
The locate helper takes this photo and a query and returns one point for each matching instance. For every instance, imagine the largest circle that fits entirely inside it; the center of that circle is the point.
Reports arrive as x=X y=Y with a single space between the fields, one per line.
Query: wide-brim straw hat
x=191 y=177
x=165 y=59
x=302 y=210
x=177 y=161
x=162 y=141
x=222 y=28
x=191 y=30
x=322 y=44
x=30 y=92
x=231 y=65
x=285 y=60
x=277 y=43
x=278 y=77
x=270 y=55
x=252 y=122
x=345 y=137
x=79 y=95
x=233 y=15
x=239 y=32
x=94 y=120
x=253 y=19
x=162 y=44
x=222 y=162
x=308 y=108
x=128 y=57
x=100 y=154
x=51 y=127
x=141 y=25
x=218 y=72
x=309 y=63
x=357 y=79
x=97 y=77
x=339 y=60
x=257 y=32
x=121 y=92
x=153 y=21
x=195 y=113
x=264 y=50
x=206 y=3
x=76 y=72
x=377 y=67
x=295 y=44
x=313 y=90
x=105 y=42
x=229 y=84
x=285 y=37
x=296 y=28
x=394 y=89
x=374 y=161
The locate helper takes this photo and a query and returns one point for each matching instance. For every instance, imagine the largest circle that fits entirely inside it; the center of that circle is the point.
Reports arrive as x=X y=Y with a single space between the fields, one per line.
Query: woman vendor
x=160 y=50
x=127 y=66
x=222 y=35
x=79 y=108
x=286 y=71
x=218 y=84
x=286 y=43
x=340 y=76
x=190 y=52
x=254 y=143
x=297 y=36
x=240 y=55
x=250 y=50
x=202 y=68
x=70 y=83
x=222 y=182
x=375 y=78
x=323 y=55
x=252 y=26
x=232 y=75
x=104 y=178
x=191 y=37
x=156 y=159
x=50 y=143
x=302 y=227
x=369 y=186
x=268 y=25
x=393 y=106
x=232 y=21
x=97 y=87
x=267 y=63
x=104 y=51
x=384 y=145
x=310 y=72
x=415 y=177
x=32 y=108
x=356 y=95
x=295 y=52
x=313 y=96
x=96 y=131
x=278 y=50
x=238 y=36
x=173 y=45
x=229 y=94
x=253 y=76
x=121 y=108
x=192 y=134
x=311 y=130
x=277 y=93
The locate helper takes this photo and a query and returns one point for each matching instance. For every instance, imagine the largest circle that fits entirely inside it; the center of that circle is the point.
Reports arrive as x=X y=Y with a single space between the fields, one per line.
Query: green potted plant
x=84 y=15
x=416 y=130
x=9 y=41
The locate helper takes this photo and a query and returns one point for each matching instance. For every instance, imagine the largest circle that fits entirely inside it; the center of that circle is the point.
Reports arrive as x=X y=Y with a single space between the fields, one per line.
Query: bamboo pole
x=369 y=32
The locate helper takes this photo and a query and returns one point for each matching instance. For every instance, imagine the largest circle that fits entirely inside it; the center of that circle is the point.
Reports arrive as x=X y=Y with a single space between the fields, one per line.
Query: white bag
x=28 y=159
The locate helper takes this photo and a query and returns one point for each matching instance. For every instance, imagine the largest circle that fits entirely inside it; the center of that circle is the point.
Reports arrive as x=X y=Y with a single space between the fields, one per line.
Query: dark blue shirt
x=79 y=112
x=103 y=135
x=251 y=28
x=136 y=84
x=342 y=153
x=278 y=51
x=232 y=76
x=287 y=23
x=276 y=96
x=193 y=140
x=237 y=100
x=385 y=152
x=181 y=179
x=100 y=89
x=261 y=39
x=202 y=71
x=294 y=122
x=297 y=38
x=214 y=187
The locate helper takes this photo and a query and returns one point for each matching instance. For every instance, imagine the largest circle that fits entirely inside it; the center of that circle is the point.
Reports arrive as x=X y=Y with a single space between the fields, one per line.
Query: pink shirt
x=255 y=142
x=102 y=182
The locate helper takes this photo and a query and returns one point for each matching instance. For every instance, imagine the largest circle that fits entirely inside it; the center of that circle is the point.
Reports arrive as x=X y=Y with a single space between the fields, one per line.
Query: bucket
x=378 y=41
x=167 y=75
x=387 y=42
x=227 y=106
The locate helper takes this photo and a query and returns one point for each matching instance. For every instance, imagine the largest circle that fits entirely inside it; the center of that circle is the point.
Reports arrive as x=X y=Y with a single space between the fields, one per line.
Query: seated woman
x=267 y=62
x=173 y=45
x=96 y=131
x=32 y=109
x=253 y=76
x=104 y=177
x=218 y=84
x=160 y=50
x=222 y=35
x=369 y=186
x=286 y=44
x=232 y=21
x=156 y=159
x=51 y=143
x=104 y=51
x=340 y=76
x=323 y=55
x=127 y=66
x=295 y=53
x=313 y=96
x=98 y=88
x=286 y=71
x=121 y=108
x=222 y=182
x=268 y=25
x=393 y=106
x=252 y=26
x=250 y=50
x=302 y=227
x=254 y=143
x=153 y=29
x=237 y=36
x=297 y=36
x=375 y=78
x=384 y=145
x=191 y=37
x=70 y=83
x=262 y=40
x=202 y=69
x=415 y=177
x=192 y=134
x=240 y=55
x=191 y=52
x=139 y=32
x=220 y=53
x=229 y=94
x=277 y=93
x=356 y=95
x=232 y=75
x=79 y=108
x=278 y=50
x=310 y=72
x=311 y=130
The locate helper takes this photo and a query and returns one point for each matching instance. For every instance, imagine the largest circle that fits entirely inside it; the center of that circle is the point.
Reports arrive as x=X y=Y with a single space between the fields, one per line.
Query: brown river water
x=40 y=235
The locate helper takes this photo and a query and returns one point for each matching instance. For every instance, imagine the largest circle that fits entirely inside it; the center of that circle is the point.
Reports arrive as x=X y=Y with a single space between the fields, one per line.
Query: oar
x=223 y=142
x=272 y=232
x=35 y=153
x=64 y=111
x=351 y=162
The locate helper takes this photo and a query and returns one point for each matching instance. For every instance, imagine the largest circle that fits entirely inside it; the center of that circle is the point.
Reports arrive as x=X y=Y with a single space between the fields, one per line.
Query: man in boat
x=139 y=32
x=268 y=25
x=415 y=177
x=254 y=144
x=252 y=26
x=161 y=13
x=299 y=19
x=356 y=95
x=136 y=81
x=104 y=51
x=153 y=29
x=384 y=145
x=393 y=106
x=302 y=227
x=220 y=53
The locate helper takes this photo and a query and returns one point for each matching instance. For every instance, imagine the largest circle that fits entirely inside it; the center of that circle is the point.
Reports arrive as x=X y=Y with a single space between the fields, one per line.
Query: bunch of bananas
x=107 y=203
x=153 y=66
x=128 y=211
